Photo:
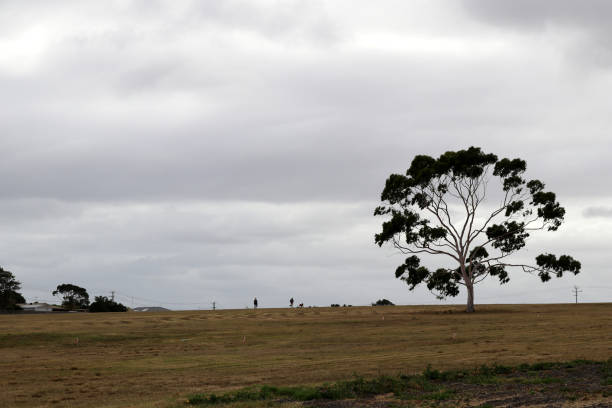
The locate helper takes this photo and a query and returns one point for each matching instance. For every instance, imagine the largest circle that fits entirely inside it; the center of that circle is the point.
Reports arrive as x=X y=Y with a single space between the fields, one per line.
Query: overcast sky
x=180 y=152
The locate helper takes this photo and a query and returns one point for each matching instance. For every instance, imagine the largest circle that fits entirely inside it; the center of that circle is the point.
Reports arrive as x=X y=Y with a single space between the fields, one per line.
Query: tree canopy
x=9 y=297
x=439 y=207
x=383 y=302
x=74 y=297
x=104 y=304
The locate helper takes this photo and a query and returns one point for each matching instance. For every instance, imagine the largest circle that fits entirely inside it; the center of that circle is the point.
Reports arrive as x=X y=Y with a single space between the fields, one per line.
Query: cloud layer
x=222 y=150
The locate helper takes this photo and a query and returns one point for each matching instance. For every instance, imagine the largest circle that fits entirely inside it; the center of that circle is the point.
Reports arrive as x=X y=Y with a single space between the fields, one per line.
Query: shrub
x=104 y=304
x=383 y=302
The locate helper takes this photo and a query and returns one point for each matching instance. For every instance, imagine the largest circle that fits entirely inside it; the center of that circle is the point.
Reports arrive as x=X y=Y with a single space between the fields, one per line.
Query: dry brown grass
x=156 y=359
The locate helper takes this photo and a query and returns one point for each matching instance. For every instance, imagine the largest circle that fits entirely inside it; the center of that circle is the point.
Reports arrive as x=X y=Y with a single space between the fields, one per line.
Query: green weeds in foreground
x=358 y=387
x=403 y=387
x=606 y=372
x=430 y=385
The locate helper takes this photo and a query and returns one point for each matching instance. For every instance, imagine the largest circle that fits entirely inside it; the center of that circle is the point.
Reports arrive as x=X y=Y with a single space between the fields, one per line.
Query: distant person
x=255 y=303
x=291 y=302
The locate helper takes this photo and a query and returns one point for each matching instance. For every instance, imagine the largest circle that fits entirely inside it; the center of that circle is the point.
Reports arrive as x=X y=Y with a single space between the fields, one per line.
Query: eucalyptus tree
x=476 y=210
x=74 y=297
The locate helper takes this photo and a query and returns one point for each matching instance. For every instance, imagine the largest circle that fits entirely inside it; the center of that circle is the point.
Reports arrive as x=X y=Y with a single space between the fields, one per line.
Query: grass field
x=158 y=359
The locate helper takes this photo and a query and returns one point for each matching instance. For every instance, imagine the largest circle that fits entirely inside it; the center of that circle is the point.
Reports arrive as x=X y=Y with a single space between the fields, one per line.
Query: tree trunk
x=470 y=298
x=469 y=285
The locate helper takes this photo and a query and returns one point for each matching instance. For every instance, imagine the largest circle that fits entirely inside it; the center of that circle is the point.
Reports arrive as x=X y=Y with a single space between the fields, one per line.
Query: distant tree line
x=73 y=297
x=77 y=298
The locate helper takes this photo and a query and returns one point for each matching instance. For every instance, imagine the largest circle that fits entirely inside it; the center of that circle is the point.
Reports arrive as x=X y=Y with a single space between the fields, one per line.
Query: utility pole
x=214 y=305
x=576 y=291
x=113 y=295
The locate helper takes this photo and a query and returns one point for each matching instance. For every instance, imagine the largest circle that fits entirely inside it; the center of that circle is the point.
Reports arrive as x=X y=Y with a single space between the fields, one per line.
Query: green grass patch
x=426 y=386
x=430 y=385
x=606 y=372
x=440 y=395
x=536 y=380
x=404 y=387
x=34 y=339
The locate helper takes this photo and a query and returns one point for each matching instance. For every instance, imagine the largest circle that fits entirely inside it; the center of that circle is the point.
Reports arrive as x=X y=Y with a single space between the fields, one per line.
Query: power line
x=124 y=295
x=576 y=291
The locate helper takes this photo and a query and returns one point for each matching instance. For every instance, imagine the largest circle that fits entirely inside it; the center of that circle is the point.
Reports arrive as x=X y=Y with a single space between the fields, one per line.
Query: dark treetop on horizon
x=9 y=297
x=104 y=304
x=74 y=297
x=422 y=206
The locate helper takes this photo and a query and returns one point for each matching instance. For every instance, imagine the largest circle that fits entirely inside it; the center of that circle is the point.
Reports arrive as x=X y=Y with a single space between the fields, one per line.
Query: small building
x=38 y=307
x=150 y=309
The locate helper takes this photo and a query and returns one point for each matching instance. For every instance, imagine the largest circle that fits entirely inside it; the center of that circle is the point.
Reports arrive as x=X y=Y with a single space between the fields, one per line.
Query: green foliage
x=501 y=369
x=550 y=263
x=541 y=366
x=9 y=297
x=486 y=374
x=421 y=208
x=431 y=374
x=606 y=372
x=536 y=380
x=104 y=304
x=508 y=236
x=74 y=297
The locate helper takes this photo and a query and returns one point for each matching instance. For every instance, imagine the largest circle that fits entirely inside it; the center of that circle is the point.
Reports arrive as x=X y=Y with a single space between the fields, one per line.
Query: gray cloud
x=185 y=152
x=592 y=14
x=584 y=24
x=294 y=21
x=598 y=212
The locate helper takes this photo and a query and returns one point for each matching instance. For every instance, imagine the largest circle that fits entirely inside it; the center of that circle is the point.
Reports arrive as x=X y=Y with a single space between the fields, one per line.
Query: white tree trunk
x=470 y=297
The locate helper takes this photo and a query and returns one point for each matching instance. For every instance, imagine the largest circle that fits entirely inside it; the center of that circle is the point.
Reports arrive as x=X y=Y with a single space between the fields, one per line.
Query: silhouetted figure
x=255 y=303
x=291 y=302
